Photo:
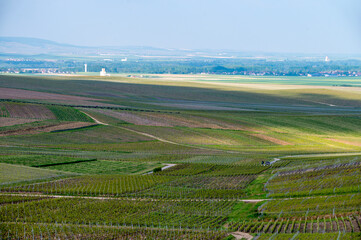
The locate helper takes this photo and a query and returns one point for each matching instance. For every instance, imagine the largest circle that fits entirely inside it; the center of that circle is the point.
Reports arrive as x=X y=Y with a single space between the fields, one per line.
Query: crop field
x=179 y=157
x=32 y=111
x=14 y=174
x=331 y=179
x=6 y=121
x=81 y=231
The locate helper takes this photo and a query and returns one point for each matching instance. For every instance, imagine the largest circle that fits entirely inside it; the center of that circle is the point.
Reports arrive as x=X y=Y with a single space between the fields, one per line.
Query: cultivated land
x=242 y=157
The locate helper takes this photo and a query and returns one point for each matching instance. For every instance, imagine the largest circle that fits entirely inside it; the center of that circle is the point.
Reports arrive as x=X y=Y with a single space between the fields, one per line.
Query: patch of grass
x=36 y=160
x=256 y=188
x=244 y=211
x=13 y=173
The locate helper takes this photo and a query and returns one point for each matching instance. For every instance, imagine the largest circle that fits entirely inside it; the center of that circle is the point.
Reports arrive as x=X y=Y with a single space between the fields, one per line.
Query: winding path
x=158 y=138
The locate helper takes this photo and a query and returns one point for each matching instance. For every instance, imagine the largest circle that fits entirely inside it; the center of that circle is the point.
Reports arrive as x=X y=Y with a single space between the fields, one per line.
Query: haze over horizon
x=324 y=26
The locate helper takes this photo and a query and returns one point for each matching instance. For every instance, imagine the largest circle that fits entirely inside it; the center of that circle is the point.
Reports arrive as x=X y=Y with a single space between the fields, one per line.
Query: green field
x=273 y=157
x=11 y=174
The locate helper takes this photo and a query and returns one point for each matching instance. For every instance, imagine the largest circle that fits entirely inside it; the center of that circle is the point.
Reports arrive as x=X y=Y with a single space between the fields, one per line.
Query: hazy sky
x=309 y=26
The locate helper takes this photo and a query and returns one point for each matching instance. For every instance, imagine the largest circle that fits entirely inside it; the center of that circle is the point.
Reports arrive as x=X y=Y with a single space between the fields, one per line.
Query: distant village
x=103 y=73
x=49 y=67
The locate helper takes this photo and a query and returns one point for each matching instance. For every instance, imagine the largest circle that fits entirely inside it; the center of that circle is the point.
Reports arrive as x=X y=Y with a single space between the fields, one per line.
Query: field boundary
x=133 y=199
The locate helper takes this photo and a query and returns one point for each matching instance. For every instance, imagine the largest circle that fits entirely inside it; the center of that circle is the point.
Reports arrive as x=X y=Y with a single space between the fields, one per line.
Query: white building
x=327 y=59
x=103 y=72
x=124 y=59
x=85 y=67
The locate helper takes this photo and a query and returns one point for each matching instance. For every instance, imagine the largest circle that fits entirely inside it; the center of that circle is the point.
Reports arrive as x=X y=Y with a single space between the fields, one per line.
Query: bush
x=157 y=169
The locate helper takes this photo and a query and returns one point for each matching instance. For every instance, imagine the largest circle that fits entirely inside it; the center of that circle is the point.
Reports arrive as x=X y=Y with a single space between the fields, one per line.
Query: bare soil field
x=47 y=128
x=18 y=110
x=14 y=121
x=272 y=139
x=357 y=144
x=11 y=93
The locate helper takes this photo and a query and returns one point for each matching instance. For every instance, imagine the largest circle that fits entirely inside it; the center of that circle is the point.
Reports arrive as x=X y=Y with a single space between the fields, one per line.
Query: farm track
x=242 y=235
x=133 y=199
x=158 y=138
x=95 y=120
x=151 y=199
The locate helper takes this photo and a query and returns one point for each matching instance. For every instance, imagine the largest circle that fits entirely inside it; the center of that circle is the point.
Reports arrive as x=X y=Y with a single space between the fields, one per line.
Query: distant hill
x=37 y=42
x=17 y=46
x=36 y=46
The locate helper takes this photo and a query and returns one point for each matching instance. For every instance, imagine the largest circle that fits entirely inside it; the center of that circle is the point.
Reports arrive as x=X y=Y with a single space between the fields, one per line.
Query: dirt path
x=322 y=103
x=242 y=235
x=95 y=120
x=130 y=199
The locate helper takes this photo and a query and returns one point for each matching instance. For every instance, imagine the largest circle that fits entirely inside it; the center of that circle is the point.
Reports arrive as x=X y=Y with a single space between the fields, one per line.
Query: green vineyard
x=160 y=158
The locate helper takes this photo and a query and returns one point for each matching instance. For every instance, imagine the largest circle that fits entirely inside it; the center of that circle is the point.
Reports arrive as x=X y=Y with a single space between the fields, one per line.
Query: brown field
x=19 y=110
x=46 y=128
x=272 y=139
x=14 y=121
x=11 y=93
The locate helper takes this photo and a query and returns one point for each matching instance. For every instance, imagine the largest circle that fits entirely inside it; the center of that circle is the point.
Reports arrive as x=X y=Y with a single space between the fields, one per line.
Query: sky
x=285 y=26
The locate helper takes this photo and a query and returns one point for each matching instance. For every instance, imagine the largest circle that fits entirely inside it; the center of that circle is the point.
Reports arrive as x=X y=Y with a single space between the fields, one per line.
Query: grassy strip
x=256 y=188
